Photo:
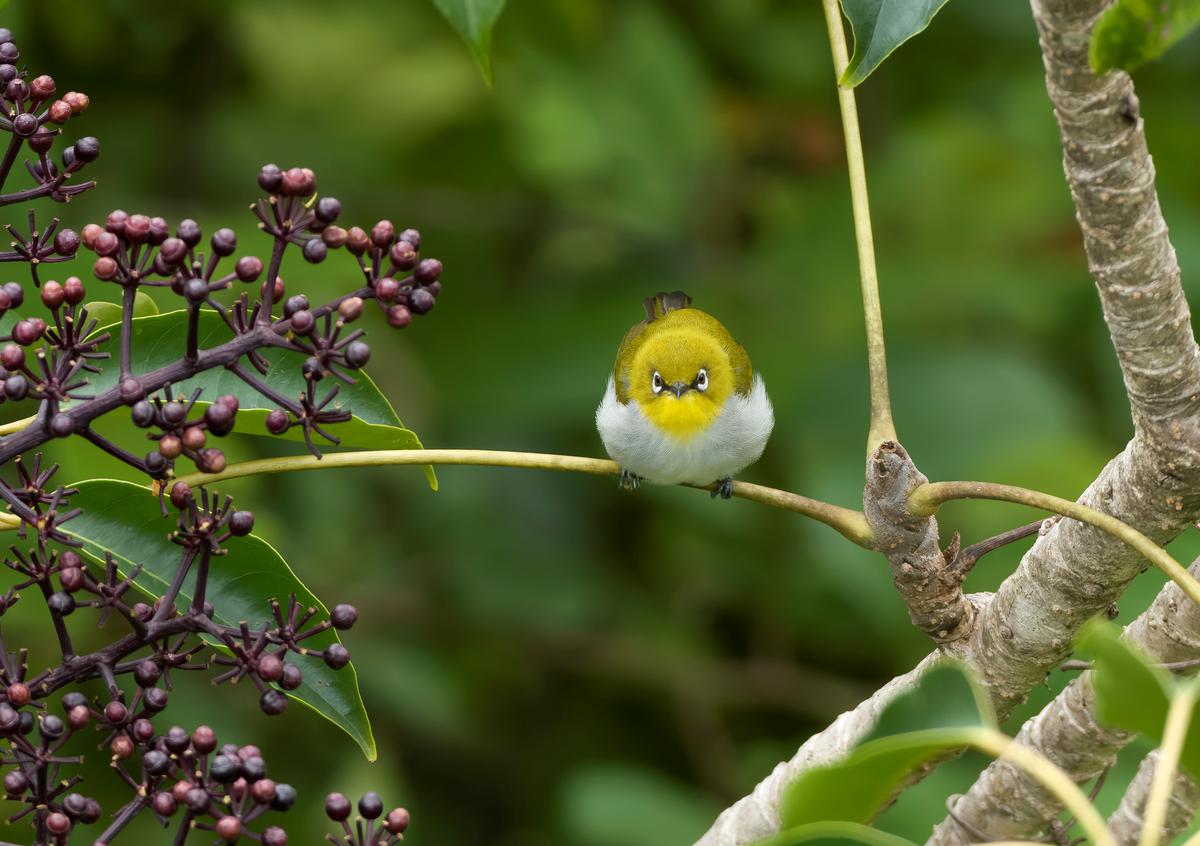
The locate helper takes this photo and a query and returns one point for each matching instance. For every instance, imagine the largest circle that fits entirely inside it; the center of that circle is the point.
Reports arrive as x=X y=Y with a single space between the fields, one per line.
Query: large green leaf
x=474 y=20
x=107 y=314
x=1131 y=693
x=942 y=713
x=834 y=834
x=158 y=341
x=1133 y=32
x=880 y=26
x=124 y=519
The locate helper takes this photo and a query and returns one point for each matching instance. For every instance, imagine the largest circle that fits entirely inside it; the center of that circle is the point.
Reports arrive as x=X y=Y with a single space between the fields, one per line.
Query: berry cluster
x=187 y=781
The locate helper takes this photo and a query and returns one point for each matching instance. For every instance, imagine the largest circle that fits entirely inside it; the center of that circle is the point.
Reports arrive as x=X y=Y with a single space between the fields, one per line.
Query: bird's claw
x=724 y=488
x=630 y=481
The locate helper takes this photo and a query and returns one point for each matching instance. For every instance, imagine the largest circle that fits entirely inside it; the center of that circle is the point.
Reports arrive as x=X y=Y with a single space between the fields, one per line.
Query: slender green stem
x=998 y=744
x=882 y=427
x=1179 y=716
x=926 y=499
x=16 y=425
x=851 y=524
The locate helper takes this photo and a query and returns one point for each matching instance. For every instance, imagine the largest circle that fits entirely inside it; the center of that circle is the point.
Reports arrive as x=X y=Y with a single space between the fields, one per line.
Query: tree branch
x=1126 y=823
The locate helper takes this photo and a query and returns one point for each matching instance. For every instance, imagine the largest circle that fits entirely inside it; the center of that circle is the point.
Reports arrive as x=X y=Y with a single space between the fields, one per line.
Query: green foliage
x=1131 y=693
x=1133 y=32
x=880 y=26
x=940 y=714
x=834 y=834
x=156 y=344
x=474 y=20
x=124 y=519
x=108 y=314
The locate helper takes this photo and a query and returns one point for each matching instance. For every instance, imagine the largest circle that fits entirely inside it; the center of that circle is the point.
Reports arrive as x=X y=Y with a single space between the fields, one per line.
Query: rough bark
x=1004 y=803
x=757 y=816
x=1073 y=571
x=1126 y=822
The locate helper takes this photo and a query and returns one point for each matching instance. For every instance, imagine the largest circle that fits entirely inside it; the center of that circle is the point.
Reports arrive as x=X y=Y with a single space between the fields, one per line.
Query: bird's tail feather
x=661 y=303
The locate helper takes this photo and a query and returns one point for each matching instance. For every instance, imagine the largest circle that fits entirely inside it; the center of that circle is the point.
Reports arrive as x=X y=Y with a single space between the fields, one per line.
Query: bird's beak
x=679 y=388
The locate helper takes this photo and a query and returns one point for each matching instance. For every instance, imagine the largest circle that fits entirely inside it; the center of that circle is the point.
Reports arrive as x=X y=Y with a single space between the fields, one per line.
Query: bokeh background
x=549 y=660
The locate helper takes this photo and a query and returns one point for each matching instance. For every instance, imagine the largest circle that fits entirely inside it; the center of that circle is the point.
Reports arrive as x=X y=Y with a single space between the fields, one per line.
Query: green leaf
x=108 y=314
x=158 y=341
x=124 y=519
x=474 y=20
x=880 y=26
x=942 y=713
x=834 y=834
x=1131 y=693
x=1133 y=32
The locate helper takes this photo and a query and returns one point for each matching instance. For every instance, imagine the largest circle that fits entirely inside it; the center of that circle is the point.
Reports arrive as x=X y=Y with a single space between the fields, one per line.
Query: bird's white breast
x=733 y=442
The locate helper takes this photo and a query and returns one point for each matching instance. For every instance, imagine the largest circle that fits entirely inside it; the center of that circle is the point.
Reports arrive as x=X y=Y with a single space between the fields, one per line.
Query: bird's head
x=681 y=379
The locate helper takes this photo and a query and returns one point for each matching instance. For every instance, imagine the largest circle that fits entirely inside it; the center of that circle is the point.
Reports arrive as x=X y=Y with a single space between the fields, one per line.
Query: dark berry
x=53 y=295
x=285 y=797
x=337 y=807
x=165 y=804
x=155 y=462
x=158 y=231
x=383 y=233
x=194 y=438
x=204 y=740
x=180 y=495
x=229 y=828
x=273 y=703
x=147 y=672
x=155 y=762
x=16 y=386
x=328 y=209
x=210 y=460
x=53 y=726
x=12 y=357
x=370 y=805
x=154 y=699
x=15 y=783
x=104 y=268
x=115 y=712
x=343 y=616
x=225 y=768
x=173 y=250
x=17 y=693
x=58 y=823
x=263 y=790
x=27 y=331
x=335 y=237
x=143 y=730
x=170 y=446
x=241 y=523
x=115 y=223
x=357 y=241
x=78 y=101
x=413 y=237
x=403 y=255
x=270 y=667
x=294 y=304
x=398 y=316
x=224 y=242
x=302 y=322
x=87 y=149
x=78 y=717
x=270 y=177
x=42 y=87
x=66 y=242
x=196 y=290
x=315 y=251
x=428 y=270
x=74 y=290
x=421 y=301
x=357 y=353
x=336 y=656
x=16 y=294
x=350 y=309
x=61 y=603
x=71 y=579
x=396 y=821
x=174 y=413
x=137 y=228
x=277 y=421
x=220 y=418
x=62 y=425
x=292 y=677
x=197 y=799
x=143 y=414
x=189 y=232
x=176 y=740
x=386 y=289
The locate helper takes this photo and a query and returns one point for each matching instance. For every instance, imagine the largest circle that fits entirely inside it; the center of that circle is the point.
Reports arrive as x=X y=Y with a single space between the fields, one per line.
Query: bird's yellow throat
x=678 y=353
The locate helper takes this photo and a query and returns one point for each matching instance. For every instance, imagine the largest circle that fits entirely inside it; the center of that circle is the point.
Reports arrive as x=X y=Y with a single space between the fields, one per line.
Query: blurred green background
x=549 y=660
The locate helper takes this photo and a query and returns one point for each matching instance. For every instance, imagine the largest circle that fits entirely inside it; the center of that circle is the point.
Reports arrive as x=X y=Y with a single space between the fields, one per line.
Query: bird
x=683 y=404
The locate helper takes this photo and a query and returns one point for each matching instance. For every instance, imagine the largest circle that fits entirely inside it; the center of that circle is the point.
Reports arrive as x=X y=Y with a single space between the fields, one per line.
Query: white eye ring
x=702 y=380
x=656 y=383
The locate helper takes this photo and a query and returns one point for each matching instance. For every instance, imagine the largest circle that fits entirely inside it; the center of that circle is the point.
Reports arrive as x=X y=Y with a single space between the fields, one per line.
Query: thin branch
x=851 y=524
x=882 y=427
x=927 y=498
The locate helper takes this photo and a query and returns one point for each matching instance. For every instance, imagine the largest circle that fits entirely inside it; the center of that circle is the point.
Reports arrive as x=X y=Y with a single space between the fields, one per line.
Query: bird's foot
x=630 y=481
x=724 y=488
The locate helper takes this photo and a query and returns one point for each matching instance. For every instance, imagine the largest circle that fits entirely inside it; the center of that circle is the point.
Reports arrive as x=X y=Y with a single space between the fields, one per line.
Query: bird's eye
x=702 y=380
x=656 y=383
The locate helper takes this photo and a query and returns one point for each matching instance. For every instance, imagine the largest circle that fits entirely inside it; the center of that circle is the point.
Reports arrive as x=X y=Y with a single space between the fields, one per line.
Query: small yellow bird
x=683 y=404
